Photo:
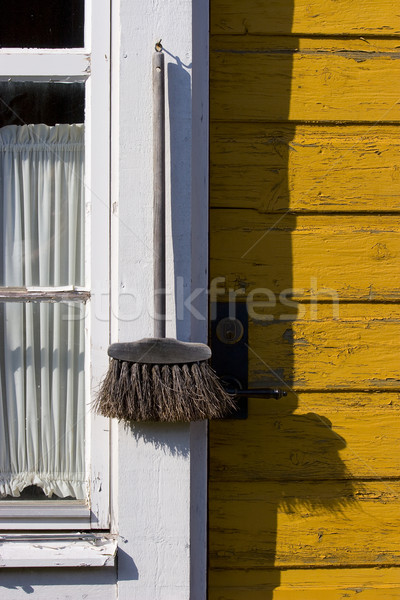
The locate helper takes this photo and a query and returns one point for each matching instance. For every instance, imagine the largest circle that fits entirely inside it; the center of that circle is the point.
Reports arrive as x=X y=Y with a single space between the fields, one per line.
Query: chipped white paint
x=74 y=550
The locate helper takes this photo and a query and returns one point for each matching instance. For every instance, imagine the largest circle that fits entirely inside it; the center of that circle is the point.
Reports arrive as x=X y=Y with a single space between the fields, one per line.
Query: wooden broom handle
x=159 y=194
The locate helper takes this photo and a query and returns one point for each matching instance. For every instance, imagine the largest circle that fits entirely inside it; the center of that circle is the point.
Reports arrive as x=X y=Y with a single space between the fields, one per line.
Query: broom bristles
x=169 y=393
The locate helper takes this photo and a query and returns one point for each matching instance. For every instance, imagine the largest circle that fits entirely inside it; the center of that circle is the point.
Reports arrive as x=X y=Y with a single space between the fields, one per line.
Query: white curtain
x=42 y=411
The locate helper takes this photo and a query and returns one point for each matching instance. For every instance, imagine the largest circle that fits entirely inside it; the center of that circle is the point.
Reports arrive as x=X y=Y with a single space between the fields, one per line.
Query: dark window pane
x=30 y=103
x=42 y=24
x=33 y=492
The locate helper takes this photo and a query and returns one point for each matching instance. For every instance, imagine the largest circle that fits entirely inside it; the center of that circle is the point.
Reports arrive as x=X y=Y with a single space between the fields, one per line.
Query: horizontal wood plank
x=363 y=46
x=255 y=86
x=310 y=584
x=279 y=167
x=295 y=524
x=310 y=436
x=309 y=256
x=308 y=17
x=355 y=347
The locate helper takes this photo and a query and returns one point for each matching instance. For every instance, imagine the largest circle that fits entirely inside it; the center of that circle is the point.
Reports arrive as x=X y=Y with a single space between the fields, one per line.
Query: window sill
x=57 y=550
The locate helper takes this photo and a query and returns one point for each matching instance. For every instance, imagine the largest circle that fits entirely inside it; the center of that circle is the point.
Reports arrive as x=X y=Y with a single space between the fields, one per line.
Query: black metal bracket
x=229 y=345
x=275 y=393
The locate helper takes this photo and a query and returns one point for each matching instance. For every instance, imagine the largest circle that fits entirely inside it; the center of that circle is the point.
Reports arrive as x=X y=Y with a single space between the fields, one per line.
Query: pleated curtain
x=42 y=344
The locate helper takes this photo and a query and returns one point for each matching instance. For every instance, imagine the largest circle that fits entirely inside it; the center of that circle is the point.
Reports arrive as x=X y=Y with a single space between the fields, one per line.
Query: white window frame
x=90 y=65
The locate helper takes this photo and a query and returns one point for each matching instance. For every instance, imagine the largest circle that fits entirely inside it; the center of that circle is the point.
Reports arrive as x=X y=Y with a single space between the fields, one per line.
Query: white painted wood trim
x=199 y=251
x=44 y=294
x=114 y=240
x=154 y=458
x=21 y=551
x=97 y=177
x=47 y=65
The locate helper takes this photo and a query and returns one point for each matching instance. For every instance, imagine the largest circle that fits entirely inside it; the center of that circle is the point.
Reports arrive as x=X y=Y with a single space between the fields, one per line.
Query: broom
x=161 y=379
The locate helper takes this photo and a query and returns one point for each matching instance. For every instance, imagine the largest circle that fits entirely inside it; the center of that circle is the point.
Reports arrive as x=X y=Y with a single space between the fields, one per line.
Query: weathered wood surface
x=352 y=257
x=319 y=523
x=357 y=347
x=310 y=436
x=308 y=125
x=21 y=551
x=352 y=47
x=279 y=167
x=309 y=584
x=269 y=86
x=307 y=17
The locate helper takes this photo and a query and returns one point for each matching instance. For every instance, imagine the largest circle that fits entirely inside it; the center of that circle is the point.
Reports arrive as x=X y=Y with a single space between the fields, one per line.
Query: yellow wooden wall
x=304 y=496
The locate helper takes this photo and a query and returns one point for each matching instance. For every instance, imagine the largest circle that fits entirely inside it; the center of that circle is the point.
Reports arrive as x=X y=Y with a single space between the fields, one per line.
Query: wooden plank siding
x=311 y=436
x=306 y=17
x=280 y=167
x=304 y=228
x=308 y=584
x=344 y=257
x=355 y=347
x=318 y=524
x=317 y=86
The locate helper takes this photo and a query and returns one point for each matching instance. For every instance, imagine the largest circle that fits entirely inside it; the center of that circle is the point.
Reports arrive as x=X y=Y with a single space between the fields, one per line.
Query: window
x=54 y=264
x=39 y=24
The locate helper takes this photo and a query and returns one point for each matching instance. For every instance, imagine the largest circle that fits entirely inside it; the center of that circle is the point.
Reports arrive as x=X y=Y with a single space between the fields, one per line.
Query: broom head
x=162 y=379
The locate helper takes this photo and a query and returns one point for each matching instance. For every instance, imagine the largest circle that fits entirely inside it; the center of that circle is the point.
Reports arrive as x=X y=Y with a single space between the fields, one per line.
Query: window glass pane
x=42 y=351
x=28 y=102
x=42 y=24
x=34 y=492
x=42 y=410
x=42 y=203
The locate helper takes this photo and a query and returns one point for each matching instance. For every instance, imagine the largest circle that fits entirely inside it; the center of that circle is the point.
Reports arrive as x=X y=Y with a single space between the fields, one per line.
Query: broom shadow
x=170 y=438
